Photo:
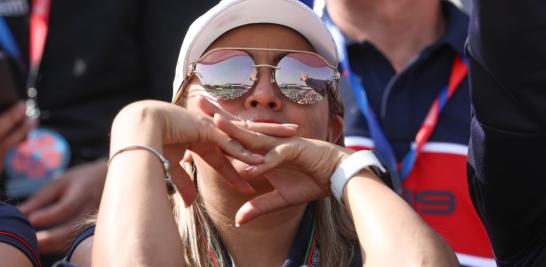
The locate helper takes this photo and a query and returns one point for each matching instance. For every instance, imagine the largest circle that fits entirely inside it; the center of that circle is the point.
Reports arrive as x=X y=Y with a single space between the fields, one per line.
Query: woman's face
x=264 y=102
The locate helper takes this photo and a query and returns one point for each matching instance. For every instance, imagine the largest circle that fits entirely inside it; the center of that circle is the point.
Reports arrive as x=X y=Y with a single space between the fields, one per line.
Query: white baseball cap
x=230 y=14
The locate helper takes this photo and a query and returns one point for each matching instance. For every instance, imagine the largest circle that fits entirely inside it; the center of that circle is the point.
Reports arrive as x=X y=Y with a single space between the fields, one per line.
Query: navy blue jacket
x=507 y=178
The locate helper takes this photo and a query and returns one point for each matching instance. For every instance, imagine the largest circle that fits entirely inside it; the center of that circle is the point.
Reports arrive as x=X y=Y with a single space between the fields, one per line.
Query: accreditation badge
x=33 y=163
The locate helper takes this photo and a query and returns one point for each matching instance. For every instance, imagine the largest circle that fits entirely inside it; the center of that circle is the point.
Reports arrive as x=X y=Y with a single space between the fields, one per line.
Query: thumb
x=260 y=205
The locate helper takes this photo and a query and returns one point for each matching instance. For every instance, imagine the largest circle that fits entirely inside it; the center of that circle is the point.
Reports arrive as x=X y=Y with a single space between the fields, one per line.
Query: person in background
x=406 y=94
x=96 y=57
x=18 y=244
x=507 y=59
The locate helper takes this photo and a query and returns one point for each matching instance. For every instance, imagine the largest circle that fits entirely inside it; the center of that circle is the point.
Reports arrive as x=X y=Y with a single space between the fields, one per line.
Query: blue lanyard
x=7 y=42
x=382 y=145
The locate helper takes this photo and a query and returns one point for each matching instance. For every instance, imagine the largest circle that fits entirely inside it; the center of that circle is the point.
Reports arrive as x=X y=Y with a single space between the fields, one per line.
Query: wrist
x=350 y=166
x=137 y=123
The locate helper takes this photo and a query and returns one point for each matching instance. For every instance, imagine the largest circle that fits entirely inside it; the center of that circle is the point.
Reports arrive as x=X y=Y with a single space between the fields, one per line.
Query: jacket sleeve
x=507 y=178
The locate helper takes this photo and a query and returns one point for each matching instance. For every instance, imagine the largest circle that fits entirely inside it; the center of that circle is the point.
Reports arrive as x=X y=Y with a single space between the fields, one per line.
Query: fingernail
x=22 y=208
x=290 y=125
x=250 y=168
x=237 y=225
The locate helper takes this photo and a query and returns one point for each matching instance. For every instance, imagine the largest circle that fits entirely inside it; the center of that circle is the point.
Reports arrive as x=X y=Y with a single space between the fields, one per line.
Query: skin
x=66 y=200
x=137 y=215
x=264 y=101
x=400 y=29
x=11 y=256
x=14 y=127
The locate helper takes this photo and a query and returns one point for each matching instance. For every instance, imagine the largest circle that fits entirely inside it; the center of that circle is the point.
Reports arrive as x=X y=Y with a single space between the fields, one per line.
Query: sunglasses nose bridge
x=272 y=67
x=264 y=93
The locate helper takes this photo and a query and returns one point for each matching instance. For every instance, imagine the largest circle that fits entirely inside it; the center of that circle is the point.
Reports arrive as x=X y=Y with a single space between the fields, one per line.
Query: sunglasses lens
x=226 y=74
x=303 y=78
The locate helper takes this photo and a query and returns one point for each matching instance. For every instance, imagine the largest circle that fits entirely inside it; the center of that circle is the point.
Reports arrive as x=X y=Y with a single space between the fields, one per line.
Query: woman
x=261 y=146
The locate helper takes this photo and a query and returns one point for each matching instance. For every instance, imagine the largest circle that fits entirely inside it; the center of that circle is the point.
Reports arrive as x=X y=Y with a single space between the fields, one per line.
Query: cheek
x=314 y=124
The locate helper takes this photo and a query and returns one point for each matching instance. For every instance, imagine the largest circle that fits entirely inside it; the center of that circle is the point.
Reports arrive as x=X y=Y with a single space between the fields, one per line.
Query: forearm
x=135 y=224
x=386 y=224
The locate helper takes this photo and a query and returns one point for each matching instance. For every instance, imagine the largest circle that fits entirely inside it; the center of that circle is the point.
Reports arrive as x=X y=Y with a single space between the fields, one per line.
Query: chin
x=260 y=184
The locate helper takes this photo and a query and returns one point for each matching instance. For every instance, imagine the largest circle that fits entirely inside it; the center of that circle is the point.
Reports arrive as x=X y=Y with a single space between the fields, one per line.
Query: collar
x=455 y=29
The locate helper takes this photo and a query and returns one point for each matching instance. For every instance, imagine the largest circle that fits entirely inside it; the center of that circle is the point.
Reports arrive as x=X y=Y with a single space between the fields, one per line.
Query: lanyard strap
x=38 y=31
x=7 y=41
x=458 y=73
x=39 y=27
x=39 y=19
x=382 y=145
x=312 y=253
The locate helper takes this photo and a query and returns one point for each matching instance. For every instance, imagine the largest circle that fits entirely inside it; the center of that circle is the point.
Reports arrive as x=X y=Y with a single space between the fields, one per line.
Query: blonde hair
x=336 y=234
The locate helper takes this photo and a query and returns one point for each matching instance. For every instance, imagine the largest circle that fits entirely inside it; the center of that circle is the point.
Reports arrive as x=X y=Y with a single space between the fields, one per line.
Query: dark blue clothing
x=437 y=186
x=507 y=178
x=15 y=230
x=401 y=101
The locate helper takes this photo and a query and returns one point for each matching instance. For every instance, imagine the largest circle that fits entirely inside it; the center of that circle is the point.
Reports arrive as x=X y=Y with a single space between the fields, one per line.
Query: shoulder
x=17 y=235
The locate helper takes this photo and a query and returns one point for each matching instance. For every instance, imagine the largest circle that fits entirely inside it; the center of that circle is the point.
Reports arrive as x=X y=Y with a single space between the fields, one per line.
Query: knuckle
x=205 y=128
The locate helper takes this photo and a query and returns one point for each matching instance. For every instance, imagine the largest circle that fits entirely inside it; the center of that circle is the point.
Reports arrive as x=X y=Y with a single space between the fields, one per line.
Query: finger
x=55 y=240
x=252 y=140
x=181 y=179
x=272 y=159
x=11 y=117
x=260 y=205
x=18 y=134
x=272 y=129
x=188 y=156
x=231 y=146
x=69 y=204
x=184 y=185
x=216 y=159
x=210 y=108
x=43 y=197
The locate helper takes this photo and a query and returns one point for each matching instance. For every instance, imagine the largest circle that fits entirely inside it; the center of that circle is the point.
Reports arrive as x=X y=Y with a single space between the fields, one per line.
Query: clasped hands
x=298 y=168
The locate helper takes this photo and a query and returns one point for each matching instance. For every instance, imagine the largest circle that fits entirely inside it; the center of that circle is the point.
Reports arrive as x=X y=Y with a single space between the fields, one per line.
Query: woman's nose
x=264 y=93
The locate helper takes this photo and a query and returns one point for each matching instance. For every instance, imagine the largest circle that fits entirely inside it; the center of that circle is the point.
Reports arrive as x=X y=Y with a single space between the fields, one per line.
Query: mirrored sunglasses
x=228 y=73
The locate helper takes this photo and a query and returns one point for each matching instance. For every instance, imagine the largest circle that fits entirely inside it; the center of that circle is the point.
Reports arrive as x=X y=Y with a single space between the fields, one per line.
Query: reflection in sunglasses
x=228 y=73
